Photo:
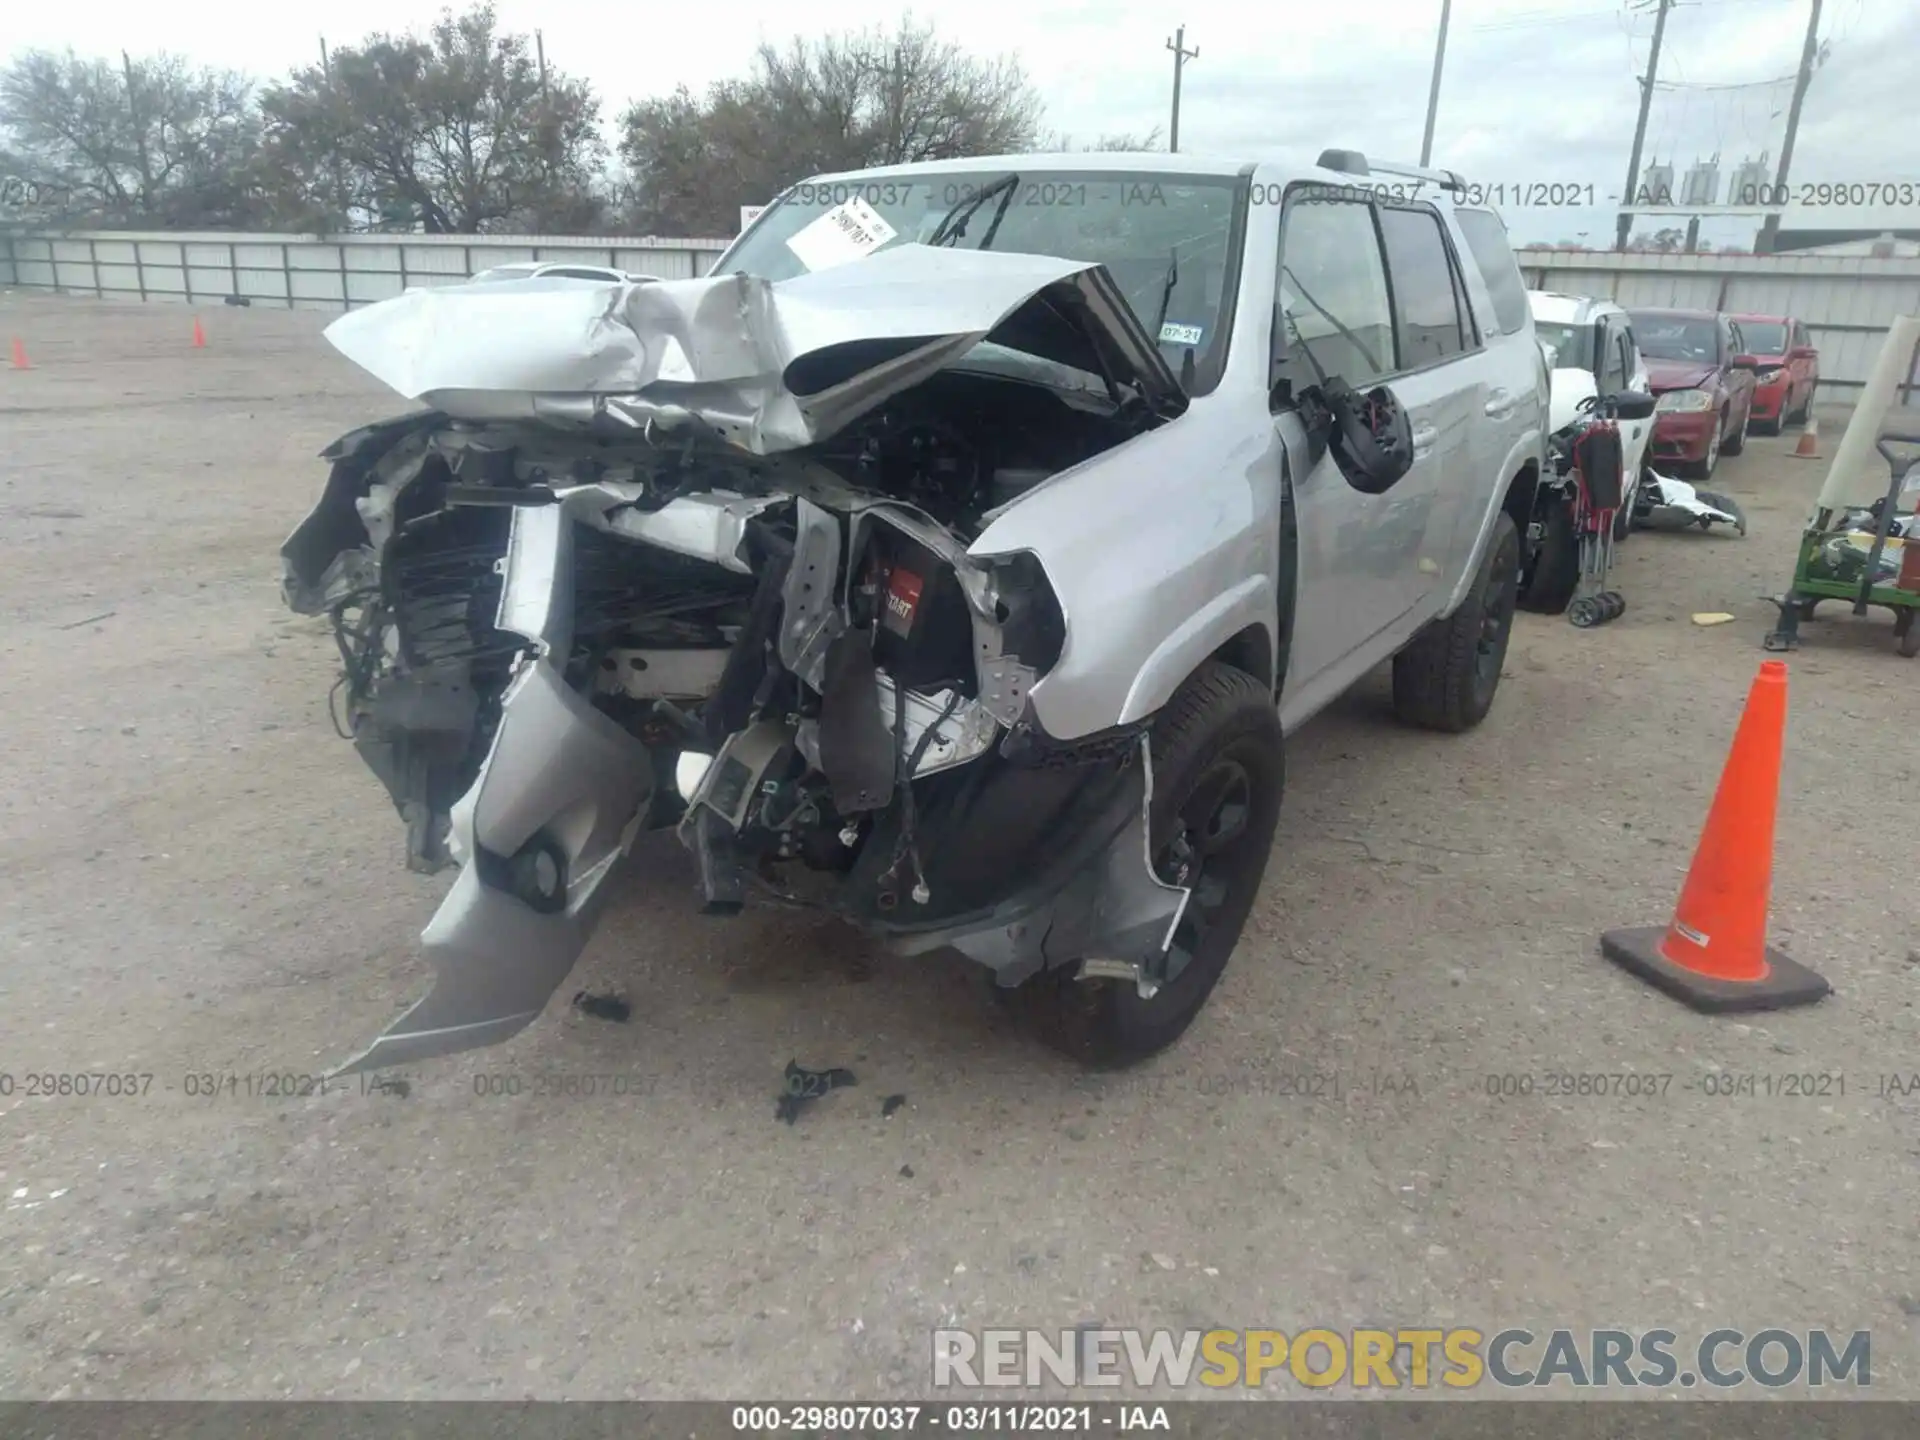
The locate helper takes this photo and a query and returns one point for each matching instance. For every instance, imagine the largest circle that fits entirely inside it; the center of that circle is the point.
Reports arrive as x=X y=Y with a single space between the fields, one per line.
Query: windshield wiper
x=1160 y=318
x=954 y=223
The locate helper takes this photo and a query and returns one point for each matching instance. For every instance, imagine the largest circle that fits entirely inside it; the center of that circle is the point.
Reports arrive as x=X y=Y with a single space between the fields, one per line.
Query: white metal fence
x=1847 y=302
x=307 y=271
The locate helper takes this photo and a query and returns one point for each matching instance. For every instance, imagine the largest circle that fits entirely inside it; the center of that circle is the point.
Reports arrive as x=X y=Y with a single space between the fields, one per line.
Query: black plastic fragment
x=891 y=1104
x=803 y=1087
x=603 y=1007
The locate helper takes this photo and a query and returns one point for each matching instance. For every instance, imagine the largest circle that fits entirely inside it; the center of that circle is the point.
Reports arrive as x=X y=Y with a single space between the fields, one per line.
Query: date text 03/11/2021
x=976 y=1419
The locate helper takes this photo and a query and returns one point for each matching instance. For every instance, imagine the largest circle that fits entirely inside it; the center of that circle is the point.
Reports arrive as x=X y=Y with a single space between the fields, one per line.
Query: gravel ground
x=202 y=880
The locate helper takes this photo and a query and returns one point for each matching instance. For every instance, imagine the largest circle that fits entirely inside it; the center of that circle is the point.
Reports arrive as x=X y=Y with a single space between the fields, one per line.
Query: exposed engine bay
x=553 y=636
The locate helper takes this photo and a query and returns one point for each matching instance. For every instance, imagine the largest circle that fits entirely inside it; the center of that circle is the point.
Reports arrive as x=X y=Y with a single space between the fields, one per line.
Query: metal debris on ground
x=803 y=1087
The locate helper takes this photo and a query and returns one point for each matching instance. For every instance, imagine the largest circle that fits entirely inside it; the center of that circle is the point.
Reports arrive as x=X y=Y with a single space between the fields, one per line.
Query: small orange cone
x=1714 y=955
x=20 y=354
x=1809 y=446
x=199 y=335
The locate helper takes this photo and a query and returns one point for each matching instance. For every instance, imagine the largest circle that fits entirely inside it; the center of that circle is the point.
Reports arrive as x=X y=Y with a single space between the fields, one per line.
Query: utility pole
x=326 y=72
x=1770 y=227
x=1178 y=45
x=1433 y=95
x=1625 y=226
x=540 y=49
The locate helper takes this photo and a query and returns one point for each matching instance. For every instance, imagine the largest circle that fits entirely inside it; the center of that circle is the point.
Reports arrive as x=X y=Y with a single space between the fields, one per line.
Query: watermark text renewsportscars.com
x=1407 y=1358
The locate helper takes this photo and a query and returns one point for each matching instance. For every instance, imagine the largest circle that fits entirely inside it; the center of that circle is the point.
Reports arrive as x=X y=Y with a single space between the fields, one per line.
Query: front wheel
x=1703 y=469
x=1219 y=772
x=1446 y=678
x=1555 y=572
x=1737 y=441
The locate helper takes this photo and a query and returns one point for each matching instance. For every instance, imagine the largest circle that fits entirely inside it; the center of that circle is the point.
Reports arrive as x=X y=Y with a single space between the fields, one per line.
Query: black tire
x=1737 y=441
x=1220 y=726
x=1622 y=523
x=1556 y=564
x=1446 y=678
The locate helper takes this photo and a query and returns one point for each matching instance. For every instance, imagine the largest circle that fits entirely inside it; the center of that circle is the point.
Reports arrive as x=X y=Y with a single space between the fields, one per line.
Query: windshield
x=1764 y=338
x=1146 y=228
x=1572 y=343
x=1672 y=337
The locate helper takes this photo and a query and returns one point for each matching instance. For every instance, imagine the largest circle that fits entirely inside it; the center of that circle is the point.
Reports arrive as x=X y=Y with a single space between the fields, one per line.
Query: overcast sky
x=1534 y=91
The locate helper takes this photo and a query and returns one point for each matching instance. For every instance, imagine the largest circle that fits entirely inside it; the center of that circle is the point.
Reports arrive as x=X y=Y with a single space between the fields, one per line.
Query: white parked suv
x=954 y=558
x=1594 y=342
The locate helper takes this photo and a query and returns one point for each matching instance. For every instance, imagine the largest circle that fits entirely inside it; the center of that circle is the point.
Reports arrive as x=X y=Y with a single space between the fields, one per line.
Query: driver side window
x=1333 y=315
x=1613 y=369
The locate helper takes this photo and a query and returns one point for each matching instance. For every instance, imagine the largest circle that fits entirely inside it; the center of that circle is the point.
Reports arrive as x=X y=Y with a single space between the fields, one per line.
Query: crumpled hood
x=1665 y=375
x=770 y=365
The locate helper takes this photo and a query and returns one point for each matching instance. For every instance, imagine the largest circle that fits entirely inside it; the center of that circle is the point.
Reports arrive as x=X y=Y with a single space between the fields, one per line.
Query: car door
x=1805 y=370
x=1358 y=555
x=1622 y=369
x=1449 y=387
x=1738 y=382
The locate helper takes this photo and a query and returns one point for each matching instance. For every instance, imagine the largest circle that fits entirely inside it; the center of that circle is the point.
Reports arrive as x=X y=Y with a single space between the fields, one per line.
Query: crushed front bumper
x=542 y=829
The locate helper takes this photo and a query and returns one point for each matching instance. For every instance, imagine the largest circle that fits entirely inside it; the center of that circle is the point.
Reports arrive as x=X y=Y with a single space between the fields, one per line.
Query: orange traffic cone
x=1809 y=446
x=20 y=354
x=199 y=335
x=1714 y=955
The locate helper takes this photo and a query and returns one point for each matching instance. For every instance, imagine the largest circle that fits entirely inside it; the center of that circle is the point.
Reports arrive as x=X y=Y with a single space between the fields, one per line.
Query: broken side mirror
x=1370 y=436
x=1315 y=418
x=1632 y=404
x=1744 y=362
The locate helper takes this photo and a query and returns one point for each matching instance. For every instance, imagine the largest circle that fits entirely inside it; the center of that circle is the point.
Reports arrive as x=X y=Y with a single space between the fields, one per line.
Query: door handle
x=1423 y=438
x=1499 y=403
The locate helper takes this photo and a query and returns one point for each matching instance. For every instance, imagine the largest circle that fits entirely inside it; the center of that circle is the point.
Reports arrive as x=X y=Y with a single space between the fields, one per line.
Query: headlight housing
x=1684 y=401
x=1767 y=377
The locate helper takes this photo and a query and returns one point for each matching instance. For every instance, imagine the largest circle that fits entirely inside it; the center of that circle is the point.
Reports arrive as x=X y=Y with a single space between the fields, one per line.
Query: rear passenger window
x=1493 y=257
x=1334 y=312
x=1426 y=311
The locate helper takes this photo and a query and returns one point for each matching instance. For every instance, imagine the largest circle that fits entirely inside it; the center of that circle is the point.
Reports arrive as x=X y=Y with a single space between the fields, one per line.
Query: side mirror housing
x=1803 y=352
x=1370 y=437
x=1743 y=362
x=1632 y=404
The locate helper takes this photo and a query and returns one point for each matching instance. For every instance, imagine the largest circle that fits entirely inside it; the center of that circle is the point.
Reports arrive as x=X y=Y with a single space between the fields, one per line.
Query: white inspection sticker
x=846 y=232
x=1181 y=334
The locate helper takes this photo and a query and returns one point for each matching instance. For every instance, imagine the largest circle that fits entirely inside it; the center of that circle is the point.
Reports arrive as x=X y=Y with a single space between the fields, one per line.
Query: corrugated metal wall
x=306 y=271
x=1847 y=302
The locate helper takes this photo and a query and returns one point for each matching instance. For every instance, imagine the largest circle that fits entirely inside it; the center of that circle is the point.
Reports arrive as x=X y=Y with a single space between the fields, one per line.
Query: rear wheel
x=1218 y=774
x=1446 y=679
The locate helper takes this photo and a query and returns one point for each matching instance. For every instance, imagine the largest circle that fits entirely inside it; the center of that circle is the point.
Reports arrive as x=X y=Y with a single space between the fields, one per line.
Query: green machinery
x=1867 y=555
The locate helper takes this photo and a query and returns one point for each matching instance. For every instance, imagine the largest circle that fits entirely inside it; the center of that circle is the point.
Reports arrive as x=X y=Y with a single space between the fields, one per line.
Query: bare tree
x=842 y=102
x=149 y=141
x=1060 y=142
x=455 y=132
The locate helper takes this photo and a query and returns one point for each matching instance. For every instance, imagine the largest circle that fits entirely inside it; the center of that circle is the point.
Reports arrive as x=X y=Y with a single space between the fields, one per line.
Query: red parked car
x=1789 y=370
x=1699 y=367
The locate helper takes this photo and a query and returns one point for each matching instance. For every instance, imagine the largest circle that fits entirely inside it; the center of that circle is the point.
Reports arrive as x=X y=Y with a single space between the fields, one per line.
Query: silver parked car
x=954 y=558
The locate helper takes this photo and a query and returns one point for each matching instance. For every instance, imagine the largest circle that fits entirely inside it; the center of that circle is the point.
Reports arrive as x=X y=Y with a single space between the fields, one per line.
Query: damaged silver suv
x=954 y=558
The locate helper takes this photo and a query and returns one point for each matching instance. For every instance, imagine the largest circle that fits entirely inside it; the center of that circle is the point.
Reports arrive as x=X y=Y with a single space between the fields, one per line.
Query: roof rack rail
x=1352 y=162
